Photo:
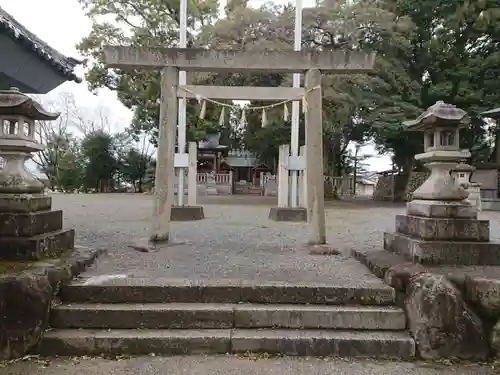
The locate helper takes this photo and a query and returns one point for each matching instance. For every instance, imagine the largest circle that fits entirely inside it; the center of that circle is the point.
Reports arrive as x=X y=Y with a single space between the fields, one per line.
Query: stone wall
x=451 y=313
x=26 y=297
x=384 y=188
x=488 y=178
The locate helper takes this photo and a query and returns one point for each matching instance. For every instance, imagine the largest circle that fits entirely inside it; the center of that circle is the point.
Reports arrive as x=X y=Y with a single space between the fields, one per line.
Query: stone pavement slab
x=232 y=365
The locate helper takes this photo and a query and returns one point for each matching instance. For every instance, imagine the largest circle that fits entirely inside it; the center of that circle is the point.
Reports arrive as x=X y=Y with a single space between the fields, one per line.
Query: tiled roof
x=64 y=65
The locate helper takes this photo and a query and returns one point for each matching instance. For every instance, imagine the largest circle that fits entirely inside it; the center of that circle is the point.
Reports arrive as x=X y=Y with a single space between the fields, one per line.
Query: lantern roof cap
x=464 y=167
x=440 y=113
x=14 y=102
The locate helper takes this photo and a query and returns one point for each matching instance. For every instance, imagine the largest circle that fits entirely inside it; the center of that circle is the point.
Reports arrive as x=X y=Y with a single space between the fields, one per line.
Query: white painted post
x=303 y=181
x=296 y=106
x=192 y=172
x=314 y=159
x=230 y=182
x=284 y=152
x=165 y=172
x=181 y=138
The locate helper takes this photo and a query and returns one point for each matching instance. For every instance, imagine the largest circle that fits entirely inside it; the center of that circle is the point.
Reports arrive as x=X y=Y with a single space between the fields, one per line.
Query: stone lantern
x=462 y=174
x=441 y=224
x=441 y=124
x=29 y=229
x=18 y=113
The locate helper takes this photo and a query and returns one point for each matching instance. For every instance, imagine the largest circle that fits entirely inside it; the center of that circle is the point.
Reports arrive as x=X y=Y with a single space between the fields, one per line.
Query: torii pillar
x=171 y=60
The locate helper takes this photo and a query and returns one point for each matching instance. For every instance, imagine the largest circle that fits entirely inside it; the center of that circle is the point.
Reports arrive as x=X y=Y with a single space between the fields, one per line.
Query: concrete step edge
x=211 y=316
x=210 y=306
x=376 y=344
x=278 y=293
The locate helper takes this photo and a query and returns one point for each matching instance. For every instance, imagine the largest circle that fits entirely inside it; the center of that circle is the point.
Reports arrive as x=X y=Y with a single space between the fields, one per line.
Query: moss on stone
x=8 y=267
x=15 y=266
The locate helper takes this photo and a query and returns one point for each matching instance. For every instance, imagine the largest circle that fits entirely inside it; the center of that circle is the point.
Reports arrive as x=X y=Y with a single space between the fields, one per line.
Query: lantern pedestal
x=440 y=185
x=29 y=230
x=438 y=232
x=441 y=225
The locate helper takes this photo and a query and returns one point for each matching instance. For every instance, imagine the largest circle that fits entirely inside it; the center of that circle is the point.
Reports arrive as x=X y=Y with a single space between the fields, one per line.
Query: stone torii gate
x=171 y=60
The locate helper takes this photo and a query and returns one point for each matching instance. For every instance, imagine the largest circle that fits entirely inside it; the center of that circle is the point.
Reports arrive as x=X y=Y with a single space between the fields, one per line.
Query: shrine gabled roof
x=64 y=65
x=493 y=113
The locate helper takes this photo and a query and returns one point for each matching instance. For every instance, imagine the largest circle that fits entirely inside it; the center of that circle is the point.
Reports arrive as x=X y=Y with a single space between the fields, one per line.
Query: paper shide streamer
x=264 y=118
x=286 y=114
x=222 y=116
x=242 y=123
x=203 y=110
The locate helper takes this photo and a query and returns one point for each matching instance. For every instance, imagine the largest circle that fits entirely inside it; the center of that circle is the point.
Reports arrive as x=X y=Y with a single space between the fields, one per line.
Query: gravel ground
x=231 y=365
x=235 y=241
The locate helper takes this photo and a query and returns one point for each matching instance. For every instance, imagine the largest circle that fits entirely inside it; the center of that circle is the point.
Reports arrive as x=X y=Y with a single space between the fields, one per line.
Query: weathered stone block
x=25 y=299
x=186 y=213
x=443 y=229
x=495 y=339
x=24 y=311
x=136 y=290
x=147 y=316
x=36 y=247
x=378 y=261
x=288 y=214
x=270 y=292
x=24 y=202
x=441 y=323
x=442 y=209
x=30 y=224
x=394 y=269
x=135 y=341
x=398 y=276
x=443 y=252
x=484 y=292
x=324 y=343
x=378 y=318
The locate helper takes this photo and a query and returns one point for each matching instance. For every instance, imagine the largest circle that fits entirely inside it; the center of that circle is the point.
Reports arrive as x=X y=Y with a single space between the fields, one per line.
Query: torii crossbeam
x=171 y=60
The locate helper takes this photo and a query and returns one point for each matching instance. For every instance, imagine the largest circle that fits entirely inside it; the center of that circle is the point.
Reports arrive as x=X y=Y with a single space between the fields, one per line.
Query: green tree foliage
x=133 y=167
x=140 y=23
x=453 y=57
x=133 y=159
x=61 y=162
x=426 y=51
x=100 y=162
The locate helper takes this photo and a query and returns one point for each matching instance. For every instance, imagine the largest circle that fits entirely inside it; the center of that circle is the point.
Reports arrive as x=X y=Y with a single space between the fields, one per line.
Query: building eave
x=65 y=66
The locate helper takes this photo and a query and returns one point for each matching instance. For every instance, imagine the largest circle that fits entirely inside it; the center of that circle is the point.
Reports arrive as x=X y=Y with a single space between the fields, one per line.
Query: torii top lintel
x=198 y=59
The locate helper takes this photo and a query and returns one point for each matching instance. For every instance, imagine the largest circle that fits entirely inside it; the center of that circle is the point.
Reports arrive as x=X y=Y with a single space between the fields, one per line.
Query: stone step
x=206 y=315
x=378 y=344
x=136 y=290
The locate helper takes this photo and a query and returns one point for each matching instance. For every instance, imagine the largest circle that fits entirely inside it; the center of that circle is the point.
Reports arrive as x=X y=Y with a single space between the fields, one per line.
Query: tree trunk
x=497 y=145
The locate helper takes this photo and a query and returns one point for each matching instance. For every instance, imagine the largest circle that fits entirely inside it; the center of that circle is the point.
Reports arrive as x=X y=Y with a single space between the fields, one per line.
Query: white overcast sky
x=62 y=24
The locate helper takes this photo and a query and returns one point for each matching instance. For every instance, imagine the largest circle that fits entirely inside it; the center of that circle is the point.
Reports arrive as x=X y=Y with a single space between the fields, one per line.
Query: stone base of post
x=298 y=214
x=187 y=213
x=29 y=230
